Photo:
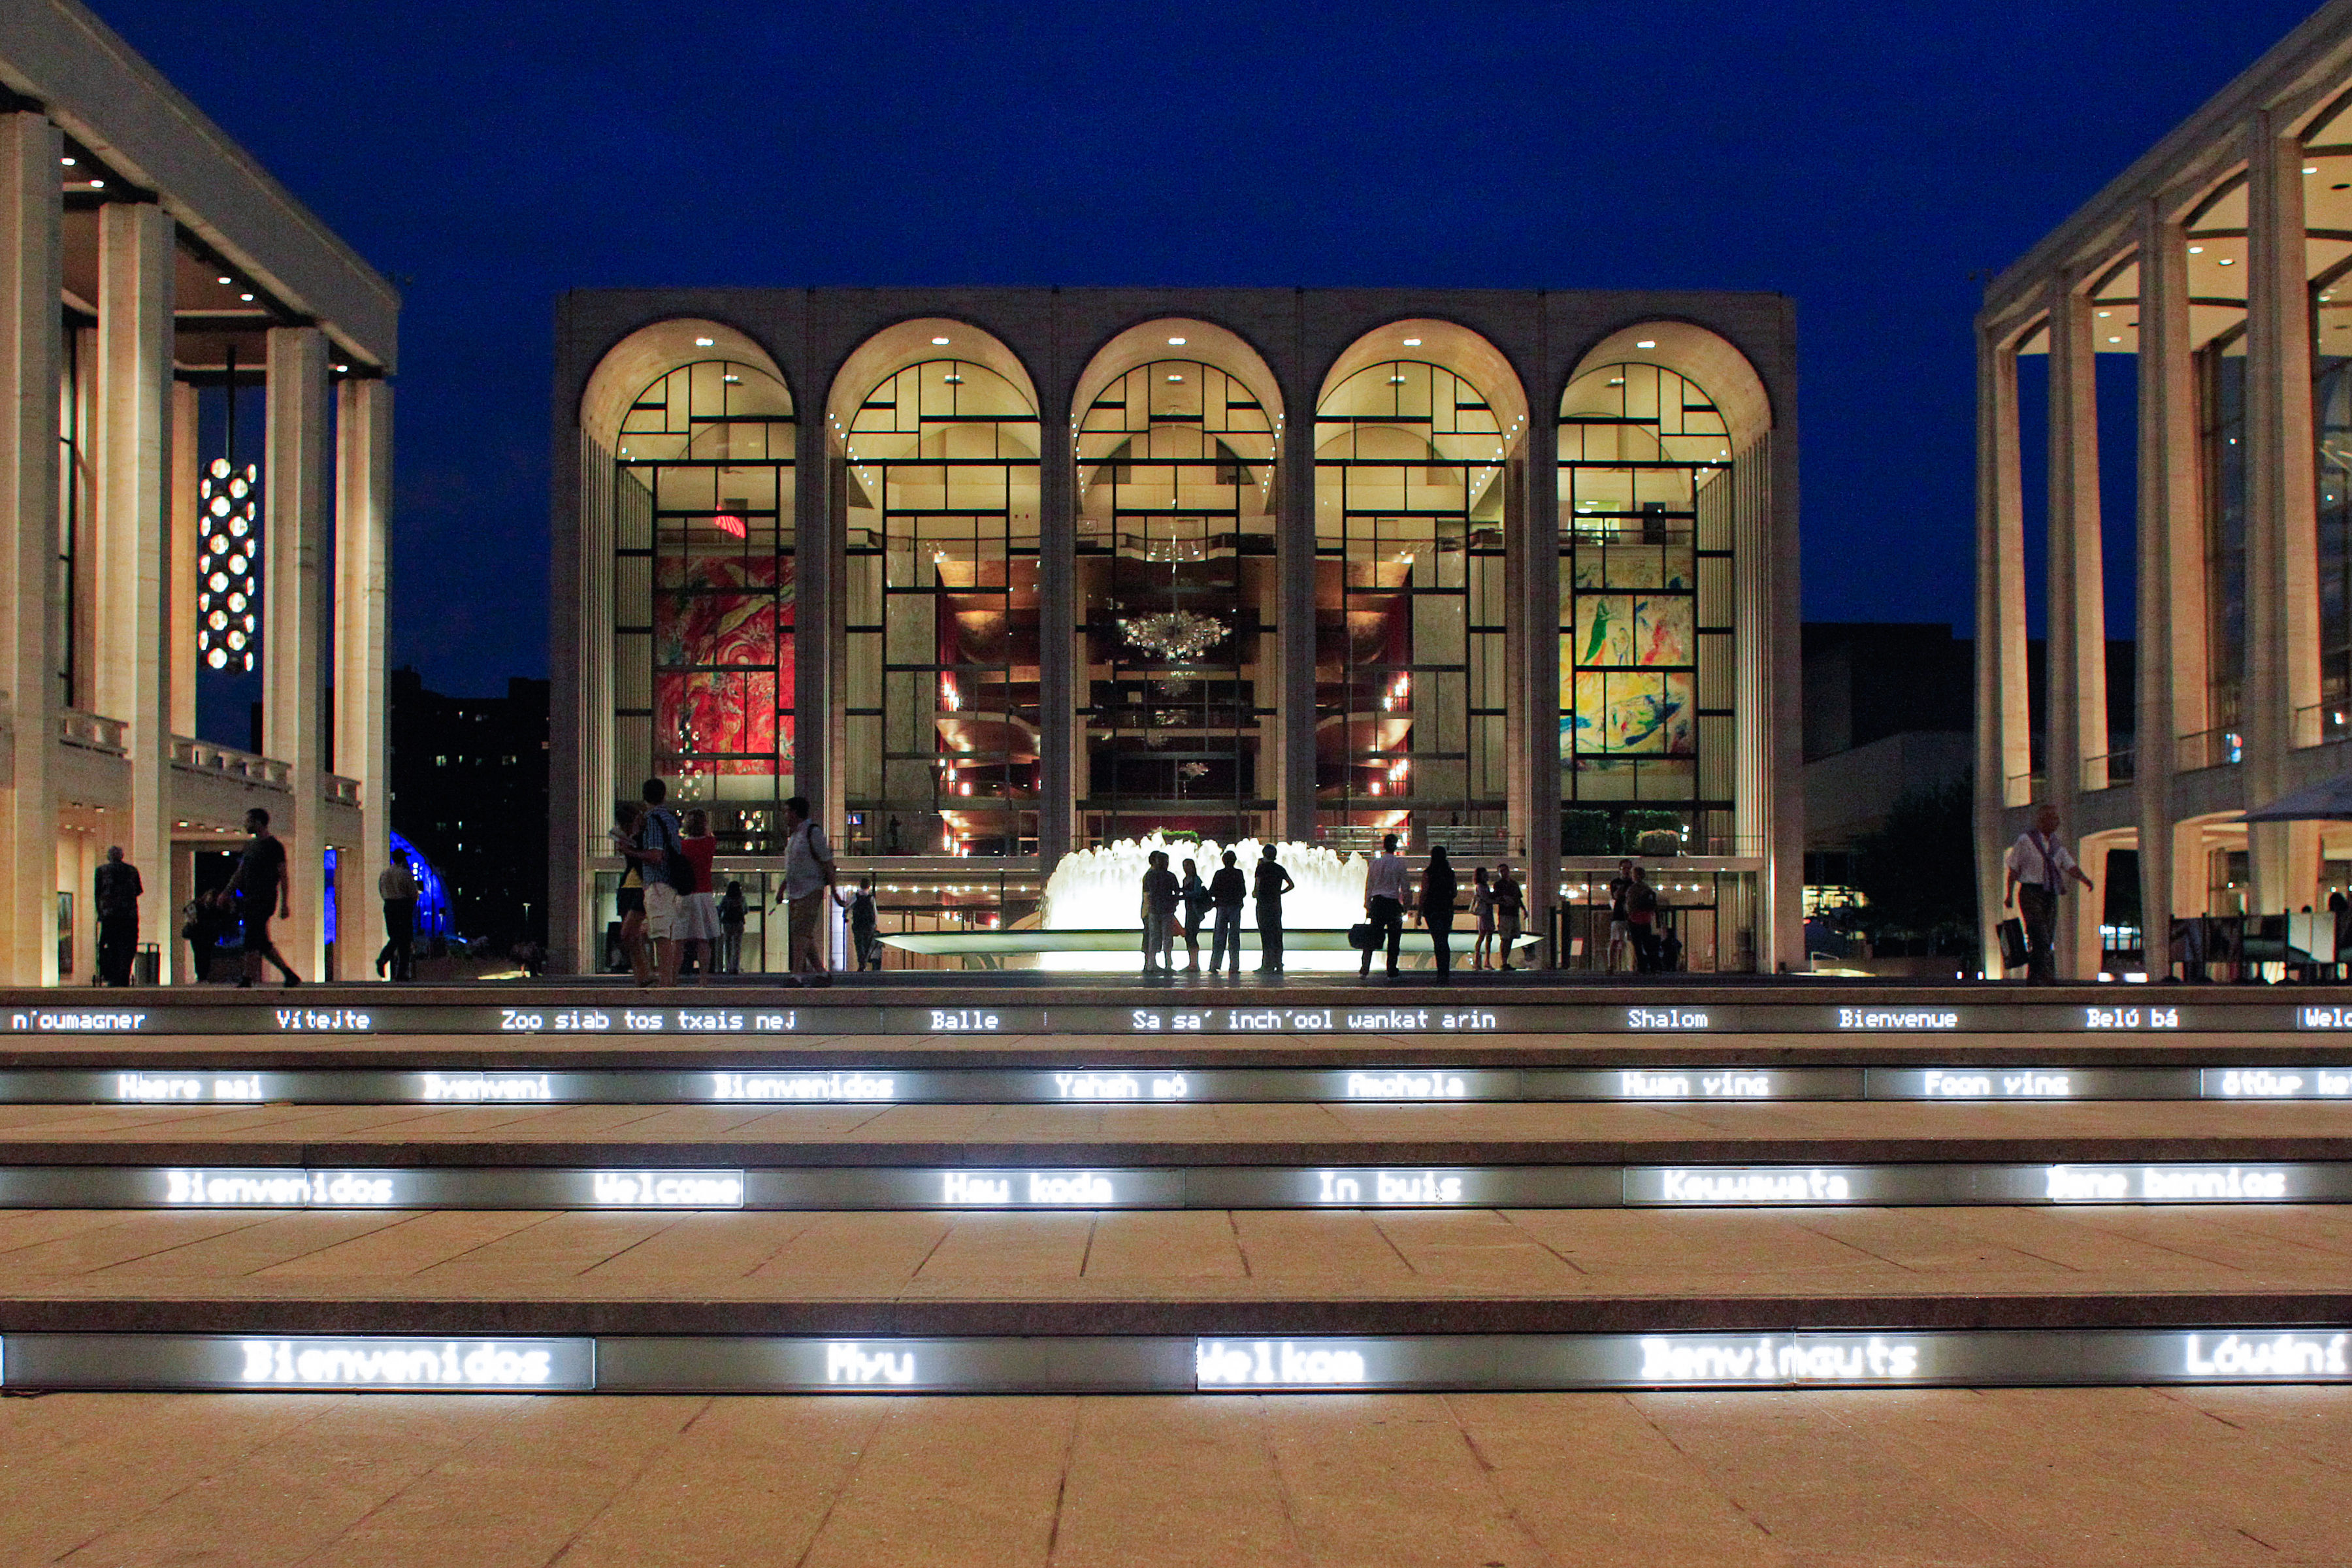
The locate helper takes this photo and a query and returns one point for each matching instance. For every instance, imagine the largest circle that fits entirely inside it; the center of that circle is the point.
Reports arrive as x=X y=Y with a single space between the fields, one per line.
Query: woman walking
x=1482 y=909
x=698 y=927
x=1437 y=889
x=1510 y=906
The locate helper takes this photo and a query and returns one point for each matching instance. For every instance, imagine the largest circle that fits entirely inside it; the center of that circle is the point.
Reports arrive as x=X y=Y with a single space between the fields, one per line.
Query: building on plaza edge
x=199 y=421
x=990 y=574
x=2201 y=304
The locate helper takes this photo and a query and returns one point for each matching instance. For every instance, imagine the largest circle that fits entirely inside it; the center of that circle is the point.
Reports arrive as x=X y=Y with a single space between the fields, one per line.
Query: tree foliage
x=1918 y=873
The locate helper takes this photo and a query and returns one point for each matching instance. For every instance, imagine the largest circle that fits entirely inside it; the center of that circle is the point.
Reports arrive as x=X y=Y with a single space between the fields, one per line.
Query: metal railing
x=2322 y=723
x=2220 y=748
x=227 y=763
x=93 y=732
x=2114 y=768
x=2022 y=789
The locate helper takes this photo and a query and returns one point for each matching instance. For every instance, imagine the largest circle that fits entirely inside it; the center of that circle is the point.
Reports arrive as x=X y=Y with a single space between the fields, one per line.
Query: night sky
x=1866 y=159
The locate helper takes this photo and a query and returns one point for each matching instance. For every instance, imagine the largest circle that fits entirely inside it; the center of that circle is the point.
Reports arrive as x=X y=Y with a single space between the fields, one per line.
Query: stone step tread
x=1457 y=1271
x=1058 y=1049
x=1459 y=1133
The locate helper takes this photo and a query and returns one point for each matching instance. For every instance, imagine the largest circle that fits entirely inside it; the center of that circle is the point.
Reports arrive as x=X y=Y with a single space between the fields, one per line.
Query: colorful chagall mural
x=1630 y=688
x=723 y=665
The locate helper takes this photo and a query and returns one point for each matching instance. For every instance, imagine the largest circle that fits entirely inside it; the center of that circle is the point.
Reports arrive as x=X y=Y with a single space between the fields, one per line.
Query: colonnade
x=141 y=544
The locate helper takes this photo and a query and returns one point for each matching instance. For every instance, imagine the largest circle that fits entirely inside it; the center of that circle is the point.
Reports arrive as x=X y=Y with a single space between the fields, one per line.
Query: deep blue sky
x=1866 y=159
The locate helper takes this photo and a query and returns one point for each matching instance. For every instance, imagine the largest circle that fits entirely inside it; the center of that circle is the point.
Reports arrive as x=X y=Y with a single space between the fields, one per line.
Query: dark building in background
x=469 y=791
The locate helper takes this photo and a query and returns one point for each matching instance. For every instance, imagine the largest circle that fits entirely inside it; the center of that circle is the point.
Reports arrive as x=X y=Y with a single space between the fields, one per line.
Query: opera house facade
x=993 y=575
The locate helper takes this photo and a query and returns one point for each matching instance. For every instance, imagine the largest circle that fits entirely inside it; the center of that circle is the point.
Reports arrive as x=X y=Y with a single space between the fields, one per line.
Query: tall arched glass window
x=940 y=477
x=703 y=586
x=1410 y=524
x=1176 y=595
x=1646 y=673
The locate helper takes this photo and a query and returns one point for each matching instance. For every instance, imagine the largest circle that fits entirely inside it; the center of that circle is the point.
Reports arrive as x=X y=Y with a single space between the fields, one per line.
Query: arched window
x=1646 y=613
x=1176 y=595
x=940 y=474
x=703 y=592
x=1412 y=512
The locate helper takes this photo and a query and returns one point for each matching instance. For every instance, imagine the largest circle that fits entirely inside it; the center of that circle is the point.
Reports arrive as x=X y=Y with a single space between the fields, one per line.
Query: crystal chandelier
x=1176 y=636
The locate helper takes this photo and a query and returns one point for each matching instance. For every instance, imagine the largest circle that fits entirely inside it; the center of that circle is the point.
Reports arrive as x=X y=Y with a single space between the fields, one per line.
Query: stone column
x=2004 y=731
x=2077 y=647
x=132 y=680
x=2171 y=564
x=186 y=546
x=1058 y=741
x=30 y=355
x=816 y=547
x=1294 y=555
x=2282 y=512
x=1535 y=467
x=294 y=500
x=362 y=586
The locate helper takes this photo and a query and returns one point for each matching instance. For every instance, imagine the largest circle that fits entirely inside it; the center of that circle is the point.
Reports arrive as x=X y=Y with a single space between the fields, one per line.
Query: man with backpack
x=660 y=855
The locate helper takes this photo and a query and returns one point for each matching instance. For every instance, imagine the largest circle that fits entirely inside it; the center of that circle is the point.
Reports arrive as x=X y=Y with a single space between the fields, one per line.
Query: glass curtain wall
x=2331 y=371
x=1176 y=606
x=703 y=596
x=2221 y=426
x=940 y=477
x=1646 y=671
x=1410 y=519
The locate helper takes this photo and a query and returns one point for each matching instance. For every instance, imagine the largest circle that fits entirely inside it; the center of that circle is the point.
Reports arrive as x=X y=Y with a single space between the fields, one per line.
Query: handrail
x=93 y=732
x=2219 y=748
x=2323 y=724
x=226 y=762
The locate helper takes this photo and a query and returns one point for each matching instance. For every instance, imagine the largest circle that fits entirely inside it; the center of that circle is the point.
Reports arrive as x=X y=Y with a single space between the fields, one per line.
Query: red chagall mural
x=722 y=655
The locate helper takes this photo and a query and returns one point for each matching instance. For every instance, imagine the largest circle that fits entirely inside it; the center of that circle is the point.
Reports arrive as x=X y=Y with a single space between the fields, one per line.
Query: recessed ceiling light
x=98 y=184
x=1174 y=378
x=344 y=369
x=2311 y=168
x=1413 y=342
x=705 y=343
x=69 y=162
x=2104 y=314
x=2196 y=250
x=1647 y=343
x=1175 y=342
x=2229 y=261
x=2115 y=340
x=246 y=298
x=939 y=342
x=225 y=279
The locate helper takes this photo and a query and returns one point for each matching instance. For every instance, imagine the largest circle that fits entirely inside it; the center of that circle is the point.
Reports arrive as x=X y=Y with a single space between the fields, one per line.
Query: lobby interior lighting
x=706 y=342
x=96 y=184
x=939 y=342
x=1175 y=342
x=1413 y=342
x=225 y=281
x=68 y=160
x=246 y=298
x=1647 y=343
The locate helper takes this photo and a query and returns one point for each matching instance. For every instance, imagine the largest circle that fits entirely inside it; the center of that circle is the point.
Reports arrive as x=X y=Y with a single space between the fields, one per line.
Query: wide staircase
x=982 y=1185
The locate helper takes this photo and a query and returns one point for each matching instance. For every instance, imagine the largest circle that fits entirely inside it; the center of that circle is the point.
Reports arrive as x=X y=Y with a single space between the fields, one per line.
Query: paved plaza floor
x=2049 y=1479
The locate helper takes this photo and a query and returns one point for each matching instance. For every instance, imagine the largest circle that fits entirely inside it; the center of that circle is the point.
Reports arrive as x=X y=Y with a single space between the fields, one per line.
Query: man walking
x=660 y=855
x=1385 y=885
x=1161 y=892
x=396 y=886
x=2038 y=866
x=115 y=896
x=261 y=886
x=1227 y=890
x=1273 y=881
x=808 y=883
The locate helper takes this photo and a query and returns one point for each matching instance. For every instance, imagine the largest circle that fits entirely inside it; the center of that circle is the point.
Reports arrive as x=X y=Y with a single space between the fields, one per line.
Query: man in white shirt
x=808 y=879
x=2039 y=865
x=1385 y=890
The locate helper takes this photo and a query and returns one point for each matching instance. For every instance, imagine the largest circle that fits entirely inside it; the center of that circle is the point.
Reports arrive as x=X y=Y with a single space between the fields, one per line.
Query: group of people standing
x=1499 y=906
x=1635 y=928
x=672 y=921
x=1174 y=906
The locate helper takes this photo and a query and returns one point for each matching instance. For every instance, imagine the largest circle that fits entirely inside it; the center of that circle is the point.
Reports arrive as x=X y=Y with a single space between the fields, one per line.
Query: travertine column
x=362 y=550
x=2004 y=728
x=2078 y=646
x=132 y=680
x=2171 y=565
x=1534 y=469
x=1294 y=554
x=1058 y=742
x=818 y=476
x=30 y=352
x=2282 y=512
x=186 y=547
x=294 y=499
